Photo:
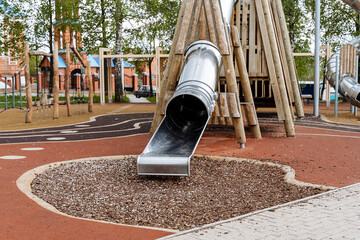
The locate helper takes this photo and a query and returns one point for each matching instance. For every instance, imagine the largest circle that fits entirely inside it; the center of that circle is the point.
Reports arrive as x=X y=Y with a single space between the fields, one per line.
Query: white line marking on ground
x=135 y=127
x=81 y=126
x=68 y=131
x=47 y=133
x=32 y=149
x=12 y=157
x=55 y=138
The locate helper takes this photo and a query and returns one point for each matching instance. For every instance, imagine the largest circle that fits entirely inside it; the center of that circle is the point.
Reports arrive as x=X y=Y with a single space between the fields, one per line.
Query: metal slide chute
x=187 y=114
x=348 y=86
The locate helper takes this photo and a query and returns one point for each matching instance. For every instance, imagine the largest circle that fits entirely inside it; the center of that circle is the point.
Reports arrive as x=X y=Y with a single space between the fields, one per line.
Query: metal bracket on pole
x=337 y=86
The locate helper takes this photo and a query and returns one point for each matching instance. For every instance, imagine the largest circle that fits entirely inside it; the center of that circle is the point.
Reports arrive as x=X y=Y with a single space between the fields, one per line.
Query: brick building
x=8 y=63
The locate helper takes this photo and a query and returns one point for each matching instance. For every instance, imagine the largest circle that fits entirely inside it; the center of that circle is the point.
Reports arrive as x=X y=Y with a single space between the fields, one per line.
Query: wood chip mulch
x=110 y=190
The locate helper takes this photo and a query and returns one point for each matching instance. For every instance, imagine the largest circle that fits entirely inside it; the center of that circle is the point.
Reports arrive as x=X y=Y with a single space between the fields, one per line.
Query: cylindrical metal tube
x=194 y=99
x=348 y=85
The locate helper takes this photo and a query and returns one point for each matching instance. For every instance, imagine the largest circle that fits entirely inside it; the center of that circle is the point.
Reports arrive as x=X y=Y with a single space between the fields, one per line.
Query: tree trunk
x=28 y=116
x=119 y=18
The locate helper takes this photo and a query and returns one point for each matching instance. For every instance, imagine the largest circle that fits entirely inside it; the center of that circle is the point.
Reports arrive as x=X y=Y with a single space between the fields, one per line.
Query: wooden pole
x=39 y=53
x=269 y=60
x=91 y=88
x=158 y=72
x=67 y=79
x=56 y=81
x=244 y=77
x=163 y=87
x=289 y=125
x=196 y=21
x=202 y=25
x=77 y=54
x=28 y=116
x=290 y=59
x=229 y=69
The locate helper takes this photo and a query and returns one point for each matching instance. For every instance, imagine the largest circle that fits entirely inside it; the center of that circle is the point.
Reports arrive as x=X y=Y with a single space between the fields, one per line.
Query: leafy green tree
x=11 y=29
x=154 y=26
x=339 y=23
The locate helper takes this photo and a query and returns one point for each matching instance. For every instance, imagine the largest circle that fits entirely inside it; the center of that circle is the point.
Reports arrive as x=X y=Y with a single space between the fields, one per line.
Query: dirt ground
x=14 y=119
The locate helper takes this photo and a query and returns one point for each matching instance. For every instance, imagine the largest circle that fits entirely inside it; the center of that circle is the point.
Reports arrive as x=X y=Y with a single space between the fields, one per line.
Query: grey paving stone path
x=133 y=99
x=332 y=215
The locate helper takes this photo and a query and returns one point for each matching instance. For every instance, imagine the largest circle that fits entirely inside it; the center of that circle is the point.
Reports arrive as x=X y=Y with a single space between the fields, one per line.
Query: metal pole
x=356 y=78
x=317 y=58
x=337 y=86
x=6 y=93
x=37 y=78
x=20 y=91
x=13 y=91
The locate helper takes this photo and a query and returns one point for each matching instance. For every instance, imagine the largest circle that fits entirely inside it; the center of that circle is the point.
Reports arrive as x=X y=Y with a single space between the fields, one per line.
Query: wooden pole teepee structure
x=258 y=66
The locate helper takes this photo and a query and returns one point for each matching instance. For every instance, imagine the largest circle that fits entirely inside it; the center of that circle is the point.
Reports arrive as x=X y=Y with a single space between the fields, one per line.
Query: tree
x=11 y=30
x=96 y=17
x=120 y=14
x=155 y=25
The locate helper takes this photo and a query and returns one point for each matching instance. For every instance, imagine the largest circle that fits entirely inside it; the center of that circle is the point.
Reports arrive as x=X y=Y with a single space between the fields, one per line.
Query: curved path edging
x=25 y=180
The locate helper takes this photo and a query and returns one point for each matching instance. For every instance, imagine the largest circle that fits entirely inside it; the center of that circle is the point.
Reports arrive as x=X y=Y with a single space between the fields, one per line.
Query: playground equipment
x=28 y=53
x=15 y=83
x=196 y=90
x=341 y=72
x=187 y=114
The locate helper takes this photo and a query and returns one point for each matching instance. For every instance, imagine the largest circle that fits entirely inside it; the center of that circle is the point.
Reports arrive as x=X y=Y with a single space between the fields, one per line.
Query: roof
x=93 y=62
x=126 y=64
x=61 y=62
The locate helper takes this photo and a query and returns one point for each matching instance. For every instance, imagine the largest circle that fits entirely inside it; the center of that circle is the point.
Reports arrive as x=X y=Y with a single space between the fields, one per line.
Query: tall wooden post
x=290 y=59
x=244 y=77
x=67 y=79
x=91 y=89
x=228 y=64
x=289 y=125
x=28 y=117
x=56 y=80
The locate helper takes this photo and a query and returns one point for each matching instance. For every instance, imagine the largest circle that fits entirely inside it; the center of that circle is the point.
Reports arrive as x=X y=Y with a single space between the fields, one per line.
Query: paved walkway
x=333 y=215
x=133 y=99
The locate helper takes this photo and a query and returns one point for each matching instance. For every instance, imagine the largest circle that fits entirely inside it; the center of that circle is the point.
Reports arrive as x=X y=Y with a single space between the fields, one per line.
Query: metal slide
x=186 y=116
x=188 y=111
x=348 y=86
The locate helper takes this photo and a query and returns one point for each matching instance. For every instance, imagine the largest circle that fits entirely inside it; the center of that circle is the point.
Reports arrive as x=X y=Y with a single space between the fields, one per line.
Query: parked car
x=144 y=91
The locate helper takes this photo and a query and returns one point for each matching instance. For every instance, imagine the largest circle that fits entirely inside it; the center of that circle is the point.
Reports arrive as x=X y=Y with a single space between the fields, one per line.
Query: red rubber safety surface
x=318 y=156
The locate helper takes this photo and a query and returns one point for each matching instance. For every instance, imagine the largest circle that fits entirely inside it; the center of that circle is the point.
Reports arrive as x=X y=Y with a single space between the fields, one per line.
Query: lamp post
x=317 y=58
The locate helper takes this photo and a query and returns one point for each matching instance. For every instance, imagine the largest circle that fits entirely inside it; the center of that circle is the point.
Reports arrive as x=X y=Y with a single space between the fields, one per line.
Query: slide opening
x=187 y=112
